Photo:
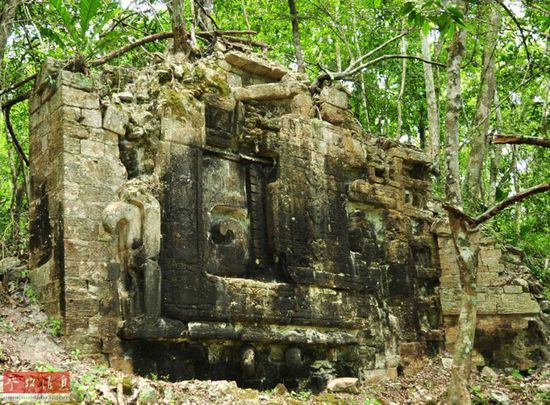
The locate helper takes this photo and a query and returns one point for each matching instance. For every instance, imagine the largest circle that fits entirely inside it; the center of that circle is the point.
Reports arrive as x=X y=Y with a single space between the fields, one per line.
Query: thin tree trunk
x=245 y=13
x=517 y=187
x=544 y=115
x=6 y=21
x=496 y=153
x=403 y=50
x=362 y=74
x=365 y=100
x=422 y=127
x=454 y=88
x=433 y=107
x=17 y=203
x=296 y=36
x=177 y=14
x=466 y=247
x=192 y=36
x=484 y=104
x=466 y=243
x=204 y=13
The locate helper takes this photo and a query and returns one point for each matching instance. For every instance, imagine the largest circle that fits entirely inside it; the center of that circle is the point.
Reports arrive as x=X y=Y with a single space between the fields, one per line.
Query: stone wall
x=510 y=329
x=214 y=220
x=75 y=172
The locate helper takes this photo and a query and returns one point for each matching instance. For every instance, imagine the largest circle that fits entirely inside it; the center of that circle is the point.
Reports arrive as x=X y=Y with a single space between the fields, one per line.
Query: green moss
x=176 y=103
x=212 y=81
x=327 y=398
x=248 y=394
x=220 y=83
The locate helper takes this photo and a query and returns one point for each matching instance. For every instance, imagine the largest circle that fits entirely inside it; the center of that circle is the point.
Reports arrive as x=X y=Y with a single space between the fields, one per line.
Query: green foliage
x=543 y=396
x=478 y=397
x=13 y=229
x=84 y=389
x=83 y=25
x=6 y=326
x=47 y=367
x=88 y=10
x=30 y=294
x=76 y=354
x=516 y=374
x=443 y=15
x=53 y=326
x=301 y=395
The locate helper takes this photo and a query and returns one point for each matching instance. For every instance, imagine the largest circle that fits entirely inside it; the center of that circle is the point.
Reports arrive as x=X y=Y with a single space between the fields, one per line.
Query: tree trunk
x=544 y=115
x=454 y=88
x=496 y=154
x=403 y=50
x=466 y=245
x=422 y=127
x=483 y=111
x=433 y=107
x=337 y=52
x=192 y=36
x=296 y=36
x=517 y=187
x=204 y=12
x=6 y=21
x=18 y=197
x=177 y=14
x=362 y=74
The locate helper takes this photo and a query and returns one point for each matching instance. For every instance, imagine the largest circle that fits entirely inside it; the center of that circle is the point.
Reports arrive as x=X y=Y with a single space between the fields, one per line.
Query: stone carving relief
x=134 y=222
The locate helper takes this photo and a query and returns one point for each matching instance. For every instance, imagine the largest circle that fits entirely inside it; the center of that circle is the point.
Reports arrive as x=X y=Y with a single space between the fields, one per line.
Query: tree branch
x=126 y=48
x=207 y=14
x=21 y=97
x=520 y=140
x=346 y=74
x=491 y=212
x=381 y=46
x=165 y=35
x=459 y=213
x=541 y=188
x=522 y=34
x=384 y=57
x=13 y=137
x=248 y=41
x=17 y=84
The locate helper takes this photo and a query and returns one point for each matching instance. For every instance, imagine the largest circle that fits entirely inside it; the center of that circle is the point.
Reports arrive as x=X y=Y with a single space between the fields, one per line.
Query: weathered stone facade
x=510 y=330
x=213 y=220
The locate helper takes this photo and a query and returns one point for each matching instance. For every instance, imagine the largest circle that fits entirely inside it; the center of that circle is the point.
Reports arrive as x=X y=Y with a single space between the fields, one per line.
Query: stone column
x=76 y=172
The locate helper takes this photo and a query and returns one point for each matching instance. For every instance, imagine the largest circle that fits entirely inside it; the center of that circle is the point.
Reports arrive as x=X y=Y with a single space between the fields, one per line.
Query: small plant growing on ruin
x=47 y=367
x=53 y=326
x=477 y=396
x=301 y=395
x=76 y=354
x=30 y=295
x=6 y=326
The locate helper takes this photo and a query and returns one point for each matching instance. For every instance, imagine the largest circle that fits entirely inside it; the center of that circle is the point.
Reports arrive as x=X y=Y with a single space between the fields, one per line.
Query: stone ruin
x=213 y=220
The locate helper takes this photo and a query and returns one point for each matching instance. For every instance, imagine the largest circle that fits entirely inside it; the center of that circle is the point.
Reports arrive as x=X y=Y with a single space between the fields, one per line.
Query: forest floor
x=29 y=342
